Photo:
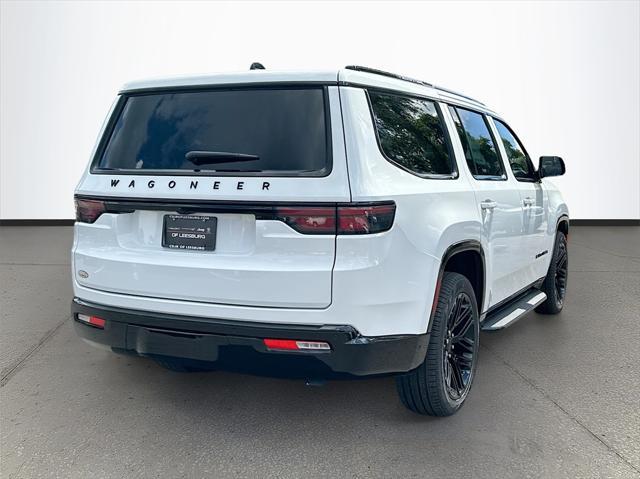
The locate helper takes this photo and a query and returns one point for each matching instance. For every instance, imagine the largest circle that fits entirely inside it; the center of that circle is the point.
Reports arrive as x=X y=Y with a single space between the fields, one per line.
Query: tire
x=555 y=283
x=432 y=388
x=183 y=365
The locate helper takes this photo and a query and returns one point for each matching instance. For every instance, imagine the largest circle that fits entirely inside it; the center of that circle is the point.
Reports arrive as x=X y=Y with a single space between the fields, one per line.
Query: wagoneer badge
x=193 y=184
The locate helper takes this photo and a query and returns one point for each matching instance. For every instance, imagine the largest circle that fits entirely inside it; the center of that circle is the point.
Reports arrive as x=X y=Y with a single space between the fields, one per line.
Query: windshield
x=277 y=131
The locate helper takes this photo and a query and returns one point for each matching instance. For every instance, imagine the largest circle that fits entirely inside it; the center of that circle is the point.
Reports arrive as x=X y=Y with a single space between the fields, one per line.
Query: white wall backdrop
x=565 y=74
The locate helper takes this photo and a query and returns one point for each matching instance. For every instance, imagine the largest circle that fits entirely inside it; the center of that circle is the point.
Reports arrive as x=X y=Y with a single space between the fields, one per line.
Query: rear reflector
x=88 y=211
x=92 y=320
x=295 y=345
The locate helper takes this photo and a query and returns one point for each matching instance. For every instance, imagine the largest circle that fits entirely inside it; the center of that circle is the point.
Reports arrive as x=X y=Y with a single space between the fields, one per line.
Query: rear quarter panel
x=431 y=215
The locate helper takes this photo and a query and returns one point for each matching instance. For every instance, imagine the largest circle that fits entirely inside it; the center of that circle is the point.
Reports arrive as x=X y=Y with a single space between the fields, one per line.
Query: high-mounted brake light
x=296 y=345
x=92 y=320
x=88 y=211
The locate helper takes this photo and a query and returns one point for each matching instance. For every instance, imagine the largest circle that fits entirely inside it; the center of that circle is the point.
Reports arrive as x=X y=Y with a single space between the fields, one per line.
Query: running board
x=508 y=314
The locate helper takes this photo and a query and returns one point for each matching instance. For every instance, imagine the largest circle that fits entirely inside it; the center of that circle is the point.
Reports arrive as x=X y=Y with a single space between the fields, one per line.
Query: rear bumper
x=238 y=345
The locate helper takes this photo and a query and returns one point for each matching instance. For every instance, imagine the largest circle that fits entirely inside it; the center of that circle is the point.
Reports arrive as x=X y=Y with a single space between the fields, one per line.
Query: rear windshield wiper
x=210 y=157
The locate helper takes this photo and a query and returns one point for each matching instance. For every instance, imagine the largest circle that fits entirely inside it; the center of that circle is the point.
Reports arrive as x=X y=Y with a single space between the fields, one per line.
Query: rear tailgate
x=293 y=137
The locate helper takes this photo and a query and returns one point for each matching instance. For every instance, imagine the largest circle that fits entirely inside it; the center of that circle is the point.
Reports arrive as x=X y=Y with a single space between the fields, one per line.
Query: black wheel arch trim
x=450 y=252
x=563 y=218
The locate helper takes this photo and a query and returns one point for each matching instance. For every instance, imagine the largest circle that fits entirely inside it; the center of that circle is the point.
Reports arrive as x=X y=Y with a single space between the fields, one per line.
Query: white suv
x=314 y=225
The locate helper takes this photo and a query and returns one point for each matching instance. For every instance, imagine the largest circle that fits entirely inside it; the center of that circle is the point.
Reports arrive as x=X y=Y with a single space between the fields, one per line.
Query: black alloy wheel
x=562 y=262
x=555 y=283
x=441 y=384
x=459 y=350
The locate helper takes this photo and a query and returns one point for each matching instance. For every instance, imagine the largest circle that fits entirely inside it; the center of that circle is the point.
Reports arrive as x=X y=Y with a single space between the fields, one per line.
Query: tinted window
x=284 y=130
x=518 y=159
x=411 y=133
x=479 y=148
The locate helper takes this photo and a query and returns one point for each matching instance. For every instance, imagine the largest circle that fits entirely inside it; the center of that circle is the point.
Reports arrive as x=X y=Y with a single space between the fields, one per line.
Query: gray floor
x=554 y=396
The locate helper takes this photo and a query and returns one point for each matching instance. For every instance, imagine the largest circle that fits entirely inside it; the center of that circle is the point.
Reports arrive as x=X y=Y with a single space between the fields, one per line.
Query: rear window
x=237 y=131
x=412 y=134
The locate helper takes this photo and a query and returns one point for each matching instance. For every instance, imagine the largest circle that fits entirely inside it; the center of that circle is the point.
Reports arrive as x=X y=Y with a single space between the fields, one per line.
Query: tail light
x=88 y=211
x=350 y=219
x=309 y=220
x=359 y=220
x=342 y=220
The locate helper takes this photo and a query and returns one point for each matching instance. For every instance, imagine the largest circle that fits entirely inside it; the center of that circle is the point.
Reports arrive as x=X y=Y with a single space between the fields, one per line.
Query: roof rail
x=446 y=90
x=375 y=71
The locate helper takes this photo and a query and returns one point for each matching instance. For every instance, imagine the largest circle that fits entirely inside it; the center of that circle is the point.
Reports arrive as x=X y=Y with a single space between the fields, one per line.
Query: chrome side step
x=508 y=314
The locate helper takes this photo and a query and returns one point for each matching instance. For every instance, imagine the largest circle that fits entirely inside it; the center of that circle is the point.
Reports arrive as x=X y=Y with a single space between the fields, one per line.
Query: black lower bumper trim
x=239 y=346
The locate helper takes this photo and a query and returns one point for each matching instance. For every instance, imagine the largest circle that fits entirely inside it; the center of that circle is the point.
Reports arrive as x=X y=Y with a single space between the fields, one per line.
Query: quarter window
x=478 y=144
x=412 y=134
x=518 y=158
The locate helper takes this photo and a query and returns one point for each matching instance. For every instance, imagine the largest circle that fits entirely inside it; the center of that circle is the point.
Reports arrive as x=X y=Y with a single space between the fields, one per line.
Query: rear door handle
x=488 y=204
x=528 y=201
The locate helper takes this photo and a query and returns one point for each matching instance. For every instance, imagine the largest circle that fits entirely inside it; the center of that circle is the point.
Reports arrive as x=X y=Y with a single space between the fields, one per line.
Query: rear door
x=498 y=202
x=222 y=195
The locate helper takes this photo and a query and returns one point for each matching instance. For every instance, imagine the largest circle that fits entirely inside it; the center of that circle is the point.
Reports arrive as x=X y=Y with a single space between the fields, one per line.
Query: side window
x=412 y=134
x=518 y=158
x=479 y=147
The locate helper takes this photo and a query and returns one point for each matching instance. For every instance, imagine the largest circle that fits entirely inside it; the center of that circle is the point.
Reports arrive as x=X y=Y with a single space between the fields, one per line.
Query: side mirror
x=551 y=166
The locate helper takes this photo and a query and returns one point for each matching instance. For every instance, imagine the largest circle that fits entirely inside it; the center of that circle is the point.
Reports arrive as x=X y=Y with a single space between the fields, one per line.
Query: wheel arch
x=466 y=258
x=563 y=224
